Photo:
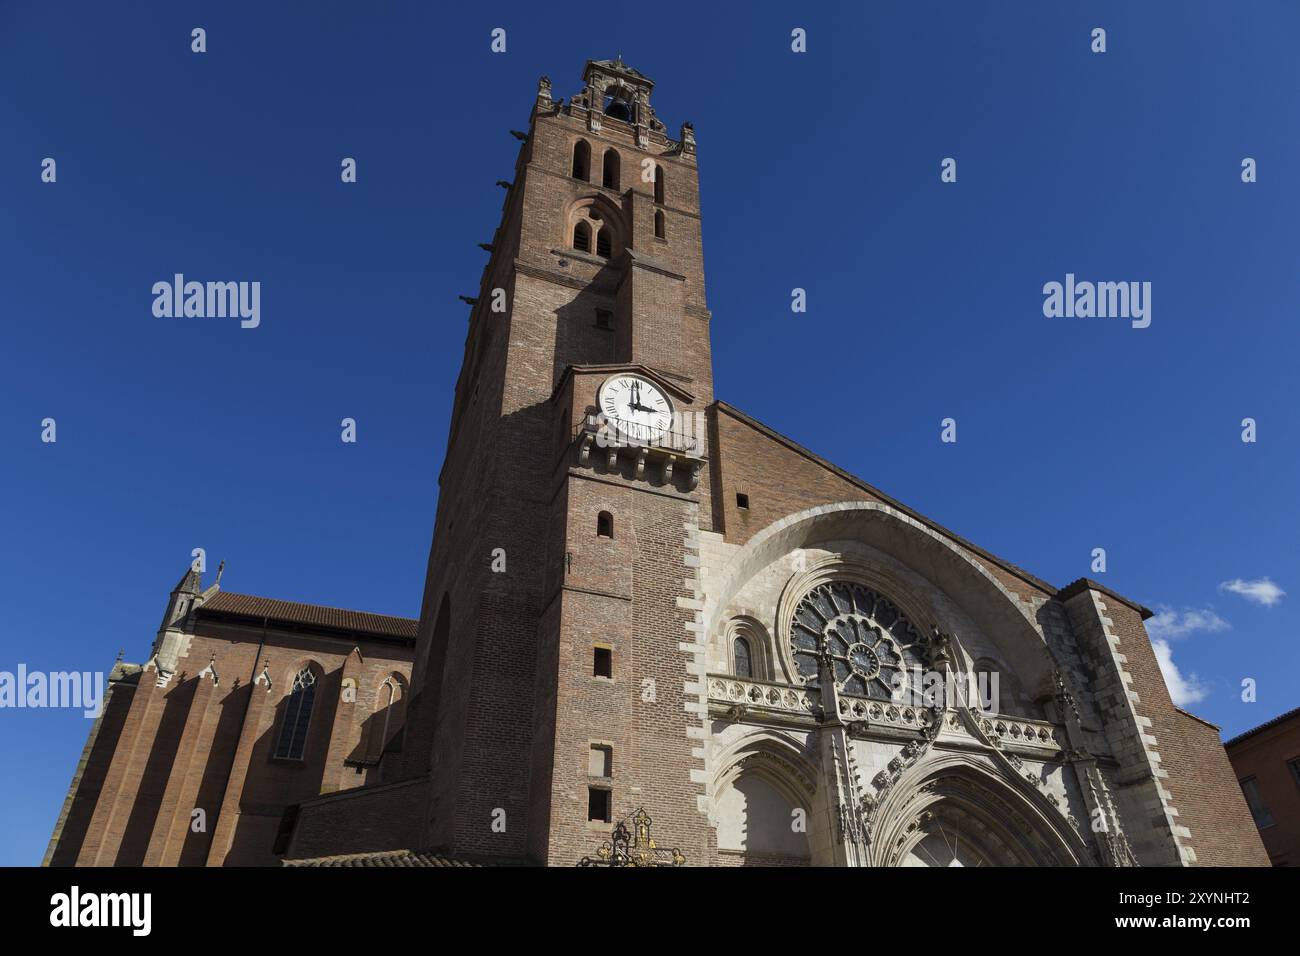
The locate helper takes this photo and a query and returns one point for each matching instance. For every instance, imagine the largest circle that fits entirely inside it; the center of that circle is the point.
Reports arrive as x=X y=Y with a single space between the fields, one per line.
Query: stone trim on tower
x=1139 y=789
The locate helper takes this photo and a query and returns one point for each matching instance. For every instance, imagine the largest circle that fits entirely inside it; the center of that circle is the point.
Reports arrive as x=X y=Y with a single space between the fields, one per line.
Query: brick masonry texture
x=1270 y=754
x=160 y=752
x=483 y=751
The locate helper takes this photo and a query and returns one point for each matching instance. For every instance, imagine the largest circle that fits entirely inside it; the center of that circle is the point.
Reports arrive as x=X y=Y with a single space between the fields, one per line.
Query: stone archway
x=994 y=609
x=762 y=801
x=960 y=810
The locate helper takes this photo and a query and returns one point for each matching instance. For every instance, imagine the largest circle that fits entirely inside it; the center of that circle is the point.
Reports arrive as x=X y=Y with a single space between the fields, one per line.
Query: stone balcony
x=739 y=697
x=663 y=451
x=743 y=698
x=1038 y=737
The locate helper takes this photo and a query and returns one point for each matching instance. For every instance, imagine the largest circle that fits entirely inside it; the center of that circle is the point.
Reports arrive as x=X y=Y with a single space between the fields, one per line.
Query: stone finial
x=544 y=93
x=210 y=671
x=688 y=138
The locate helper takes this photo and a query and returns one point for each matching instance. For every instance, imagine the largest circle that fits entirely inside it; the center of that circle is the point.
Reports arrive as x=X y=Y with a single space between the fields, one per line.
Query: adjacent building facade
x=1267 y=763
x=245 y=707
x=638 y=596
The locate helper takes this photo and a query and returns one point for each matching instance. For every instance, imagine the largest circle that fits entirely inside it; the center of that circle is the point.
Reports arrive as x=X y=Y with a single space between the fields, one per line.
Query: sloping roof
x=1032 y=579
x=1199 y=720
x=407 y=858
x=313 y=615
x=1084 y=584
x=386 y=858
x=617 y=65
x=191 y=582
x=123 y=673
x=1280 y=718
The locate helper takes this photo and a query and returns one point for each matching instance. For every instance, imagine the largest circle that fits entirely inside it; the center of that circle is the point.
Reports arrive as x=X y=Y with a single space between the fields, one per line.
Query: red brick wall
x=1200 y=782
x=1264 y=756
x=781 y=480
x=268 y=786
x=377 y=818
x=624 y=593
x=90 y=774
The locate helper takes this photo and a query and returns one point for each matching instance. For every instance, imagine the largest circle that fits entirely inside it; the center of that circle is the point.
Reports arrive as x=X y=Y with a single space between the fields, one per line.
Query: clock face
x=638 y=409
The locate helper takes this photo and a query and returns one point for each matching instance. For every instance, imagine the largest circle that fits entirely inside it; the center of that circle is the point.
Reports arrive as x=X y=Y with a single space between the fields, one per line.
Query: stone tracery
x=871 y=645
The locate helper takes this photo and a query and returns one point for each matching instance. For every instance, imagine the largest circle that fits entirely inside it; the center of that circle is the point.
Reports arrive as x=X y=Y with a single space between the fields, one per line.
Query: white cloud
x=1261 y=591
x=1184 y=690
x=1169 y=624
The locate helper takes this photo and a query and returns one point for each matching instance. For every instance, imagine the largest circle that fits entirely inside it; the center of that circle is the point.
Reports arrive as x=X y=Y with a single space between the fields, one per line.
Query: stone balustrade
x=745 y=692
x=1015 y=730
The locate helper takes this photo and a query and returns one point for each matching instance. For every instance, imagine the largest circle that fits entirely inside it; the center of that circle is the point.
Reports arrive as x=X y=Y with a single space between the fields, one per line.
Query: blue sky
x=818 y=171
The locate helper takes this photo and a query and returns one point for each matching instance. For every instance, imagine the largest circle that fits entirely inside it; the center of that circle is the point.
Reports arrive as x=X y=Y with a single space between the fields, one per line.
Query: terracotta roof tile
x=291 y=612
x=1280 y=718
x=386 y=858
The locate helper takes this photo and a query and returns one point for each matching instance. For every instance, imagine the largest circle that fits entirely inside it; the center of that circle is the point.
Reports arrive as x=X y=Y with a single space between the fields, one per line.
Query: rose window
x=872 y=647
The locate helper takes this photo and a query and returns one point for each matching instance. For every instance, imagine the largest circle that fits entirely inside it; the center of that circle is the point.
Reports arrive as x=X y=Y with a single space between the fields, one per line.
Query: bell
x=619 y=110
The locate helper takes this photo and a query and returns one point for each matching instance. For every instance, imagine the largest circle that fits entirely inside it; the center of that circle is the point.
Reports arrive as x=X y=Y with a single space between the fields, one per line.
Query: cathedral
x=653 y=630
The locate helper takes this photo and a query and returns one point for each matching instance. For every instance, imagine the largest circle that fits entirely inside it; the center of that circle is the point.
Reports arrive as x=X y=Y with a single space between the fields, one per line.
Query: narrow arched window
x=297 y=716
x=659 y=183
x=742 y=662
x=582 y=237
x=659 y=225
x=603 y=247
x=611 y=169
x=387 y=694
x=581 y=160
x=604 y=525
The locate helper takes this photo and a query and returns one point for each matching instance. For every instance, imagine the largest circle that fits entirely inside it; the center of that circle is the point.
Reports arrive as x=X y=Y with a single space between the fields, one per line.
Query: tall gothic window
x=743 y=665
x=611 y=169
x=659 y=225
x=603 y=246
x=582 y=237
x=659 y=184
x=387 y=699
x=297 y=716
x=581 y=160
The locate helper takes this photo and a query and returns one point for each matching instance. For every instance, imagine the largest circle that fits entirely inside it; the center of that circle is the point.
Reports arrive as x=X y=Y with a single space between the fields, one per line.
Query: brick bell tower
x=559 y=672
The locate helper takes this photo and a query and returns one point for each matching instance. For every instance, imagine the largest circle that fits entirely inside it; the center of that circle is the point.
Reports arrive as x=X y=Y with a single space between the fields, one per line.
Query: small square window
x=598 y=803
x=602 y=663
x=600 y=763
x=742 y=501
x=604 y=319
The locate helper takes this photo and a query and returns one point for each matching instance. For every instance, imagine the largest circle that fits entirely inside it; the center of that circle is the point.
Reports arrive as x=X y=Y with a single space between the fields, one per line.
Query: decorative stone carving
x=1112 y=845
x=759 y=694
x=871 y=648
x=1064 y=699
x=687 y=139
x=885 y=780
